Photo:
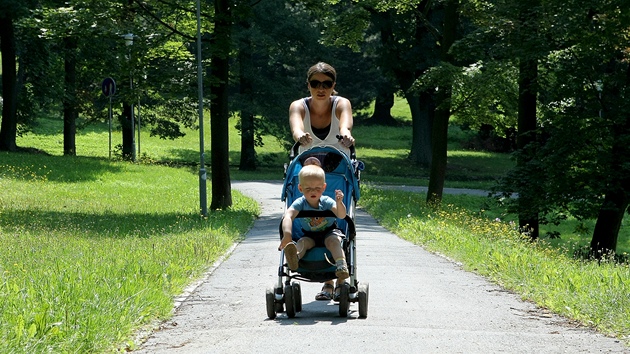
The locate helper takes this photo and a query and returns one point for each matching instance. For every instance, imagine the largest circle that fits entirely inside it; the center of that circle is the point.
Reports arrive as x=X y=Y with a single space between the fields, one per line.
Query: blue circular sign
x=108 y=87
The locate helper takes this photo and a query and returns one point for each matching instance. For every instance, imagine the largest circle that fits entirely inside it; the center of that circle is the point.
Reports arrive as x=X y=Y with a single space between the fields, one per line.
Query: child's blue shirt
x=315 y=224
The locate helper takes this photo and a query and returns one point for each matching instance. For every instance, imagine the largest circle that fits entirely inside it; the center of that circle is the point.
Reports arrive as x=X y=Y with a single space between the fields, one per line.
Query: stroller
x=342 y=172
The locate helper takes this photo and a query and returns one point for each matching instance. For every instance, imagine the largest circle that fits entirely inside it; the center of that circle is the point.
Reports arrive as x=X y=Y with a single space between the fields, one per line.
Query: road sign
x=109 y=87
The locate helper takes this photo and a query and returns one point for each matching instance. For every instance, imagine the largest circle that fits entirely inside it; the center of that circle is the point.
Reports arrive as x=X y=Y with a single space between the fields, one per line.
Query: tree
x=274 y=52
x=69 y=98
x=573 y=57
x=10 y=11
x=383 y=104
x=219 y=110
x=408 y=49
x=439 y=136
x=527 y=119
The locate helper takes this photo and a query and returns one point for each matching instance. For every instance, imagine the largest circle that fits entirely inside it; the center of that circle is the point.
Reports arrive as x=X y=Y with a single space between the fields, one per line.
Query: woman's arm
x=296 y=122
x=344 y=113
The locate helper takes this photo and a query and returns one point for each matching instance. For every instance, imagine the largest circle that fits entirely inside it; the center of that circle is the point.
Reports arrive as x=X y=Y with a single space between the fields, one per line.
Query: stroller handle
x=296 y=147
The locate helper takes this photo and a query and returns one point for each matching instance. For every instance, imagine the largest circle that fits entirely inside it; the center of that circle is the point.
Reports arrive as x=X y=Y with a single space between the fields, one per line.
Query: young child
x=318 y=231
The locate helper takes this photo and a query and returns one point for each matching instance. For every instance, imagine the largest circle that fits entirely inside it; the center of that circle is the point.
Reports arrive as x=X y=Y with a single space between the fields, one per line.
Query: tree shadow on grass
x=69 y=169
x=115 y=225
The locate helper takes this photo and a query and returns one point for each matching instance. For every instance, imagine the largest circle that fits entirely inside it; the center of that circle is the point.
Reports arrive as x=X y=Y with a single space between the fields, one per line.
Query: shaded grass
x=384 y=151
x=595 y=294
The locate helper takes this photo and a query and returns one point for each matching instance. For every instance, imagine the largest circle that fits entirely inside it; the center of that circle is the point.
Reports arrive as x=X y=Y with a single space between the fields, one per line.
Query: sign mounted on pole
x=109 y=87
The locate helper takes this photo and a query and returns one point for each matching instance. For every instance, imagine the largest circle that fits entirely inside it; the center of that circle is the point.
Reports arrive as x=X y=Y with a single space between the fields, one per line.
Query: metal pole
x=203 y=196
x=129 y=43
x=133 y=118
x=110 y=126
x=139 y=127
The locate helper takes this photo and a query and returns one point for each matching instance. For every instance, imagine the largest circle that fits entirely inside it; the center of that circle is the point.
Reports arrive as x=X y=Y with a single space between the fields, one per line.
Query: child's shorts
x=320 y=237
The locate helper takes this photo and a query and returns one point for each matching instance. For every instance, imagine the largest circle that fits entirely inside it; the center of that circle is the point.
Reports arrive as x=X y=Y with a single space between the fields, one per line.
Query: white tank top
x=331 y=138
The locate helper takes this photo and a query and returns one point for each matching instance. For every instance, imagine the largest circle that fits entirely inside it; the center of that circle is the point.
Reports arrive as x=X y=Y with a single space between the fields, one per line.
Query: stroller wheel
x=364 y=292
x=289 y=301
x=344 y=301
x=297 y=295
x=270 y=297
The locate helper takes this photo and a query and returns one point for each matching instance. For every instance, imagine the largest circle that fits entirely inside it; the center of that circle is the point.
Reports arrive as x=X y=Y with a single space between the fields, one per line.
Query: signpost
x=109 y=89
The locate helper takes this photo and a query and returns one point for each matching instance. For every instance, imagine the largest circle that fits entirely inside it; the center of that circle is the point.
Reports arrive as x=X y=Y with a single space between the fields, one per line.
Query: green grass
x=94 y=249
x=595 y=294
x=83 y=234
x=381 y=148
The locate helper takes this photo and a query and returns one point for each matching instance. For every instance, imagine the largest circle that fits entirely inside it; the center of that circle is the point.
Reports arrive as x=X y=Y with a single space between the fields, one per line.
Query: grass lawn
x=84 y=234
x=594 y=294
x=92 y=250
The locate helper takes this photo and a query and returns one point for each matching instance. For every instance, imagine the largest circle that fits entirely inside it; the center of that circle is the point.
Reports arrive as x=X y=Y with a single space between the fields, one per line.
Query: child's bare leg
x=304 y=244
x=333 y=244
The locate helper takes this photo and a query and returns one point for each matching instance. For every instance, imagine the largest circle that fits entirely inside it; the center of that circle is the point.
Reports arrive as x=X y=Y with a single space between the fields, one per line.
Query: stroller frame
x=316 y=266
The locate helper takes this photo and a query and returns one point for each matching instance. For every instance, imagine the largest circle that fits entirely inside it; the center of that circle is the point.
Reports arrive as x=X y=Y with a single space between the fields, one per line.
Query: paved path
x=419 y=303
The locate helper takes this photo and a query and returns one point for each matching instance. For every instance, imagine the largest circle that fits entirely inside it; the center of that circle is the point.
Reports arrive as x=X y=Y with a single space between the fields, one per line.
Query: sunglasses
x=324 y=84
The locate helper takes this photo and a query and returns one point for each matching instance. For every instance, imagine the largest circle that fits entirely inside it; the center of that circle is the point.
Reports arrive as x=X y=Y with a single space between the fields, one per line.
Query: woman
x=318 y=120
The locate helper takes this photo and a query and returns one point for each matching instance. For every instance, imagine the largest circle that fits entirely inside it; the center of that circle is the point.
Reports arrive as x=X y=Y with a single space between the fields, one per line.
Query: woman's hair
x=312 y=171
x=322 y=68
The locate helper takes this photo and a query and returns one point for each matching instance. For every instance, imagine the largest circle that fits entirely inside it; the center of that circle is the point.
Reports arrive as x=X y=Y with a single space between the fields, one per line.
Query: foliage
x=158 y=62
x=282 y=41
x=578 y=126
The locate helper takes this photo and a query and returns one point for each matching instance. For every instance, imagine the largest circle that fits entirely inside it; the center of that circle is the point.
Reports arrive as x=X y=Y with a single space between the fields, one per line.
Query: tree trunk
x=422 y=108
x=617 y=198
x=248 y=150
x=527 y=209
x=383 y=107
x=421 y=120
x=439 y=135
x=439 y=147
x=219 y=112
x=69 y=98
x=127 y=132
x=126 y=120
x=608 y=223
x=8 y=129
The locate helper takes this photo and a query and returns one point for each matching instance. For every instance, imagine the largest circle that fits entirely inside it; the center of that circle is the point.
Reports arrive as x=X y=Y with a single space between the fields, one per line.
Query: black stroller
x=342 y=172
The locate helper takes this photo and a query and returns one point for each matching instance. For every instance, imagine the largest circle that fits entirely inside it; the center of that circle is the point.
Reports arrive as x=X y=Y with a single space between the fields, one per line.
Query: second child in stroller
x=318 y=231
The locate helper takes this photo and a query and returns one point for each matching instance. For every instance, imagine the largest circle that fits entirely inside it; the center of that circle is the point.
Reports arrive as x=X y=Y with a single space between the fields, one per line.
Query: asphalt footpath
x=419 y=302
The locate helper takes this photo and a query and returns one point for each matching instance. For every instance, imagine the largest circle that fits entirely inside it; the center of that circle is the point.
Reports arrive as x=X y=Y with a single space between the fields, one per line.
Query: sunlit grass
x=595 y=294
x=92 y=250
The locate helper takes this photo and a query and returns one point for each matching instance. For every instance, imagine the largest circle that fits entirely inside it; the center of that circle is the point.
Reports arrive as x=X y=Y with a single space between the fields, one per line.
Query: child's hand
x=338 y=195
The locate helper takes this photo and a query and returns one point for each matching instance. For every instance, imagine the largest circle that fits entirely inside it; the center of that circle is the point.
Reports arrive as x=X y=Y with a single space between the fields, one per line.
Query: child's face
x=312 y=188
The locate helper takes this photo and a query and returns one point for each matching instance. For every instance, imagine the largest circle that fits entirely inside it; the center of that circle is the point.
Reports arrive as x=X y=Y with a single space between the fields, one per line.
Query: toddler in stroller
x=309 y=259
x=318 y=231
